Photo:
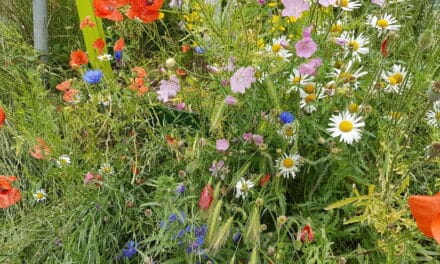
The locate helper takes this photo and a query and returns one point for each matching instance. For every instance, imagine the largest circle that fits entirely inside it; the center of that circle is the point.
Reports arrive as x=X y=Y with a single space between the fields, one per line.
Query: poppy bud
x=206 y=197
x=307 y=234
x=2 y=116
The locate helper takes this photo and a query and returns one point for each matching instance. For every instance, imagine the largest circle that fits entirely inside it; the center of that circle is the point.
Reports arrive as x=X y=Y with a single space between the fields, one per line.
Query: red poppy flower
x=264 y=180
x=2 y=116
x=8 y=195
x=78 y=58
x=41 y=150
x=180 y=72
x=119 y=45
x=307 y=234
x=145 y=10
x=426 y=211
x=99 y=44
x=108 y=9
x=70 y=95
x=86 y=23
x=140 y=72
x=137 y=84
x=206 y=197
x=64 y=86
x=185 y=48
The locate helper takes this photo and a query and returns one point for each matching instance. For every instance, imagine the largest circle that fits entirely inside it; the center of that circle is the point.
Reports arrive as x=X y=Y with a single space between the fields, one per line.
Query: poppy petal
x=424 y=209
x=435 y=228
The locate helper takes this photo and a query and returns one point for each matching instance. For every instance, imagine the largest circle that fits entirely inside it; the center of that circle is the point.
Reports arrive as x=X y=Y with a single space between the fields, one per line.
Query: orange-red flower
x=41 y=150
x=140 y=72
x=264 y=180
x=145 y=10
x=426 y=211
x=119 y=44
x=78 y=58
x=206 y=197
x=2 y=116
x=8 y=195
x=306 y=234
x=86 y=22
x=109 y=9
x=71 y=96
x=137 y=84
x=64 y=86
x=99 y=44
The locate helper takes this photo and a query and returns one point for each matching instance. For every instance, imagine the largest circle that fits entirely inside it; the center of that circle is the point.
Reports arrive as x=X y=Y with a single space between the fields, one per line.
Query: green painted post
x=85 y=8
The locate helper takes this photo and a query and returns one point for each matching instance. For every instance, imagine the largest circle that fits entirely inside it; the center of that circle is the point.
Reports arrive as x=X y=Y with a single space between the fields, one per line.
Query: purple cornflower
x=199 y=50
x=129 y=249
x=180 y=188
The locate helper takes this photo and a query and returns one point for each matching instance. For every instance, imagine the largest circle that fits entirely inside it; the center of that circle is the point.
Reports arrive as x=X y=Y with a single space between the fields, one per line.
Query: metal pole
x=39 y=11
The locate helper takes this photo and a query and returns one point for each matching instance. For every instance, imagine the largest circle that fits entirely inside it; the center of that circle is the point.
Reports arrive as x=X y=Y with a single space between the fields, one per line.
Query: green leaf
x=344 y=202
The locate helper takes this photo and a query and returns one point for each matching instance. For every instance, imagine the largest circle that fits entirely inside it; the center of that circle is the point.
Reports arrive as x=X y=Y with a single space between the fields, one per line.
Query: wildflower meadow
x=221 y=131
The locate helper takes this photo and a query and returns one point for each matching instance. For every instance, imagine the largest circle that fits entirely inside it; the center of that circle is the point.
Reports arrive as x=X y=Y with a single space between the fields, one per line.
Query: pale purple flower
x=175 y=3
x=305 y=47
x=89 y=177
x=380 y=3
x=180 y=106
x=168 y=88
x=231 y=64
x=224 y=82
x=261 y=2
x=212 y=69
x=258 y=139
x=230 y=100
x=216 y=168
x=247 y=136
x=294 y=7
x=307 y=32
x=242 y=79
x=326 y=3
x=310 y=67
x=222 y=144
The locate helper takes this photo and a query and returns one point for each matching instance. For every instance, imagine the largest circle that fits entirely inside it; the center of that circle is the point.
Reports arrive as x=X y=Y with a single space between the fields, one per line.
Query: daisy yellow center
x=395 y=115
x=276 y=48
x=296 y=80
x=288 y=163
x=336 y=28
x=353 y=108
x=244 y=187
x=396 y=78
x=345 y=76
x=354 y=45
x=309 y=88
x=437 y=116
x=346 y=126
x=383 y=23
x=310 y=98
x=339 y=64
x=343 y=3
x=39 y=196
x=288 y=131
x=106 y=169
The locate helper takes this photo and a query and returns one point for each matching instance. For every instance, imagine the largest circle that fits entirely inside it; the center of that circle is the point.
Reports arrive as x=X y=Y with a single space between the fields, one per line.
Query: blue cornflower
x=172 y=218
x=200 y=231
x=180 y=188
x=92 y=76
x=287 y=117
x=236 y=237
x=118 y=55
x=199 y=50
x=129 y=249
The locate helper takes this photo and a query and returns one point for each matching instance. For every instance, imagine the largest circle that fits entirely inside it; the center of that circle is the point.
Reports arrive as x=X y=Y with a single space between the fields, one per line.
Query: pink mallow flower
x=168 y=88
x=242 y=79
x=294 y=7
x=326 y=3
x=310 y=67
x=305 y=47
x=222 y=144
x=230 y=100
x=380 y=3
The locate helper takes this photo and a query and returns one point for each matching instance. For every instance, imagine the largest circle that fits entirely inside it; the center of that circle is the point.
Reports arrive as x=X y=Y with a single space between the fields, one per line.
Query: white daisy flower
x=346 y=75
x=105 y=100
x=288 y=131
x=40 y=195
x=346 y=126
x=289 y=165
x=63 y=161
x=354 y=45
x=309 y=99
x=348 y=5
x=433 y=116
x=297 y=79
x=242 y=188
x=384 y=24
x=279 y=48
x=106 y=168
x=394 y=79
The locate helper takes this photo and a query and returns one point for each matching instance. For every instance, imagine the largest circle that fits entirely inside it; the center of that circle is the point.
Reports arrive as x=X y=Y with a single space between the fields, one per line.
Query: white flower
x=346 y=75
x=279 y=48
x=384 y=24
x=105 y=57
x=105 y=100
x=63 y=161
x=354 y=45
x=348 y=5
x=40 y=195
x=288 y=131
x=346 y=126
x=433 y=116
x=309 y=99
x=394 y=79
x=242 y=188
x=288 y=165
x=106 y=168
x=296 y=80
